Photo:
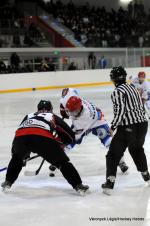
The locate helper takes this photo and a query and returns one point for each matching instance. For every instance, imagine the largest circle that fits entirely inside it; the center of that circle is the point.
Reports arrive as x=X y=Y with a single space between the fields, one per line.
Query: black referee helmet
x=118 y=74
x=45 y=105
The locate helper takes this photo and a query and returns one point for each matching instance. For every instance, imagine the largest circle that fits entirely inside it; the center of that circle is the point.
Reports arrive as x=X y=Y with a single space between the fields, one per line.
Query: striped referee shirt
x=127 y=106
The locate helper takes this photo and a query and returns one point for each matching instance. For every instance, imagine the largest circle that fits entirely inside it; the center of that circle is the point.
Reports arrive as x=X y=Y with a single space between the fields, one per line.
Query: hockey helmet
x=45 y=105
x=118 y=74
x=141 y=74
x=74 y=104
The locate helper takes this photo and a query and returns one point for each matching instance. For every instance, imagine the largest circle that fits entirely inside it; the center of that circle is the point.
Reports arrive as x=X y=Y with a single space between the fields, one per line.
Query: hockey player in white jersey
x=86 y=118
x=143 y=87
x=66 y=94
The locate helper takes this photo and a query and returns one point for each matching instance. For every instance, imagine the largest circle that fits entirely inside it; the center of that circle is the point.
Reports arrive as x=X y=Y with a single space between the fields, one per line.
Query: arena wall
x=56 y=80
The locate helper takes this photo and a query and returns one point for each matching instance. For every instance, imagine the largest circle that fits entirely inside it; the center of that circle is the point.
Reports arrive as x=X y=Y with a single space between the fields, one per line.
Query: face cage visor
x=73 y=113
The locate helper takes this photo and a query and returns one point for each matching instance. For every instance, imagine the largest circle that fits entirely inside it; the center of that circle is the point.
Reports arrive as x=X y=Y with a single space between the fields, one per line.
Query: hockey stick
x=34 y=173
x=2 y=169
x=29 y=159
x=33 y=157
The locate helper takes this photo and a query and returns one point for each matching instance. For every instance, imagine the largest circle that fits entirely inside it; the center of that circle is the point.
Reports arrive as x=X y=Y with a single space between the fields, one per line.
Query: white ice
x=45 y=201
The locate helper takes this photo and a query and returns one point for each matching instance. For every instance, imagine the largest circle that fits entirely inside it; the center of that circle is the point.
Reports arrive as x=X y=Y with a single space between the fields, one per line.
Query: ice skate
x=123 y=167
x=82 y=189
x=146 y=177
x=6 y=185
x=108 y=185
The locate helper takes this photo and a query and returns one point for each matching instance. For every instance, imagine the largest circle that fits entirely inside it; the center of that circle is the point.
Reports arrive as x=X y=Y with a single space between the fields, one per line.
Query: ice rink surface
x=45 y=201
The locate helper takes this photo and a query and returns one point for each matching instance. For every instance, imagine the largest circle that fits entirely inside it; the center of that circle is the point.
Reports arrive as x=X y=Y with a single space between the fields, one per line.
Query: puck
x=52 y=168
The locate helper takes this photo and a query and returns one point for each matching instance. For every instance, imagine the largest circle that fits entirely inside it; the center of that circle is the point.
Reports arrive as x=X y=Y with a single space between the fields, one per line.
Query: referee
x=130 y=124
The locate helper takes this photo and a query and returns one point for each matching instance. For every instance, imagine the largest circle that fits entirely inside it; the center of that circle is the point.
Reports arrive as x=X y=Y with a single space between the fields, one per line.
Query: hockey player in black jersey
x=130 y=124
x=46 y=134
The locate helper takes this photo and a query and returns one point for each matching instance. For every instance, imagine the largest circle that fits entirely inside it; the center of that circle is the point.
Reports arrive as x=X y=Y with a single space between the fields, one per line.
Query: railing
x=135 y=57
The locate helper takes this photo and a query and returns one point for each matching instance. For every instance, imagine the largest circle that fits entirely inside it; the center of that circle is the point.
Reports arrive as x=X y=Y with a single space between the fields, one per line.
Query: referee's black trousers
x=131 y=137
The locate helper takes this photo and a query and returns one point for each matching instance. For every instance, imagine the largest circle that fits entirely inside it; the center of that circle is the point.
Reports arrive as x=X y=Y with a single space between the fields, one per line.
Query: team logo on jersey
x=64 y=92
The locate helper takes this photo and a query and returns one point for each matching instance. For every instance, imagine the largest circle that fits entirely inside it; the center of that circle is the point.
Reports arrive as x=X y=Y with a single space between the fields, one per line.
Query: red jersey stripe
x=35 y=131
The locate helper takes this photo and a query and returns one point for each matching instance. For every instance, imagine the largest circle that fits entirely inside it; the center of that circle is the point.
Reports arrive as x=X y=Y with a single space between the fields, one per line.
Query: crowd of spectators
x=16 y=65
x=97 y=27
x=92 y=26
x=14 y=26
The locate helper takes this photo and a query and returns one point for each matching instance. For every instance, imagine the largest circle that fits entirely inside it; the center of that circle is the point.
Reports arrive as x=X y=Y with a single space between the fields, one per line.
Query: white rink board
x=52 y=79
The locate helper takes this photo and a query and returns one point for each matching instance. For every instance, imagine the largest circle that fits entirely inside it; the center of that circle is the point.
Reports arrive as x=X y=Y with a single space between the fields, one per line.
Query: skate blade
x=5 y=190
x=83 y=193
x=148 y=183
x=107 y=191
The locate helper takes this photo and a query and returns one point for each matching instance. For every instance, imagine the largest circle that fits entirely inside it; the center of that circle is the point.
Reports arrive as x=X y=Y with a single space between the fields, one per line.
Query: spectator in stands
x=27 y=41
x=130 y=9
x=15 y=61
x=72 y=66
x=2 y=67
x=44 y=66
x=141 y=41
x=16 y=41
x=1 y=42
x=92 y=61
x=102 y=62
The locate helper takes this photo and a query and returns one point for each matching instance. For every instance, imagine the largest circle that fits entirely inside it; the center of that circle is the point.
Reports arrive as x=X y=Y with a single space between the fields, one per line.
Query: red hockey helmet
x=141 y=74
x=74 y=104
